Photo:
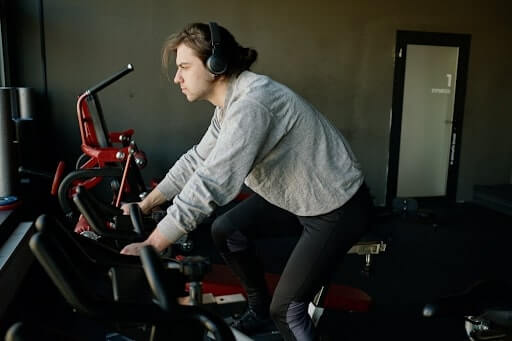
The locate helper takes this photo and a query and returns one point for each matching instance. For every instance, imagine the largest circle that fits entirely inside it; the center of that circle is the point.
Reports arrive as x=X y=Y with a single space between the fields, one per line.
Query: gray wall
x=338 y=55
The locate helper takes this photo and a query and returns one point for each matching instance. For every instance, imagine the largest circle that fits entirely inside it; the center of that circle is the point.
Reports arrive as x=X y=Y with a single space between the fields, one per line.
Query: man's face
x=195 y=81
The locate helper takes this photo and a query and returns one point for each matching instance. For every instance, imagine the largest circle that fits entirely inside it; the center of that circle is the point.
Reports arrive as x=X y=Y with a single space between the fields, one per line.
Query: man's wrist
x=144 y=207
x=157 y=240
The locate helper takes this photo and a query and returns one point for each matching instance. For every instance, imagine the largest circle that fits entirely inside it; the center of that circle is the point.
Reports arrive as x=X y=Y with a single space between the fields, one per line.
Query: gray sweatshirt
x=273 y=140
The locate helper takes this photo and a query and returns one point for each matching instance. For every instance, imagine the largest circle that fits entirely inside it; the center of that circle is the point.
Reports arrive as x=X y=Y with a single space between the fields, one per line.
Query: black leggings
x=323 y=242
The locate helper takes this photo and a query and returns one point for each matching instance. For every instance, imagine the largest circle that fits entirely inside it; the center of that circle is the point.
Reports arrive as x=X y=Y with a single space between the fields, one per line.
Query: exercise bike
x=122 y=291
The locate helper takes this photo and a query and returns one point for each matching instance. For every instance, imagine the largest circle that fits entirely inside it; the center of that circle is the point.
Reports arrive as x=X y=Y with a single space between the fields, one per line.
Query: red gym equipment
x=114 y=155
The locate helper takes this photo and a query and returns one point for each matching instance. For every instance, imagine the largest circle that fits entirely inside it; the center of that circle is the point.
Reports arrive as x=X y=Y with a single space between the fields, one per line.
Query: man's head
x=193 y=46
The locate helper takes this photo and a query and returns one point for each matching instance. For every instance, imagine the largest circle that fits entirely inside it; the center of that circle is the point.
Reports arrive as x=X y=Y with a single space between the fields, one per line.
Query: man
x=303 y=173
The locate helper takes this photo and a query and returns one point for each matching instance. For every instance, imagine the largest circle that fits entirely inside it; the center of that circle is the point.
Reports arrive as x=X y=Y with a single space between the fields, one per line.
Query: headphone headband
x=215 y=35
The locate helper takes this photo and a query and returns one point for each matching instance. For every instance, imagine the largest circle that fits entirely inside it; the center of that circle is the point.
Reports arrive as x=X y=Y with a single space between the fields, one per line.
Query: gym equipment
x=25 y=144
x=355 y=300
x=192 y=267
x=486 y=307
x=24 y=332
x=367 y=249
x=81 y=247
x=26 y=103
x=77 y=254
x=28 y=138
x=101 y=157
x=113 y=290
x=113 y=228
x=221 y=282
x=8 y=199
x=104 y=221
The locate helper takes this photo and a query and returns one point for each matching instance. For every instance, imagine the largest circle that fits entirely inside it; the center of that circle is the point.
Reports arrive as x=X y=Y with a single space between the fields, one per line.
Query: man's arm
x=180 y=173
x=219 y=179
x=243 y=137
x=154 y=198
x=171 y=185
x=188 y=163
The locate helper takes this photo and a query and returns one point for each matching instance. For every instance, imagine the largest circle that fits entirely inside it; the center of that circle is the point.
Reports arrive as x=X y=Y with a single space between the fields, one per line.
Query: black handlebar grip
x=86 y=208
x=155 y=275
x=112 y=79
x=136 y=218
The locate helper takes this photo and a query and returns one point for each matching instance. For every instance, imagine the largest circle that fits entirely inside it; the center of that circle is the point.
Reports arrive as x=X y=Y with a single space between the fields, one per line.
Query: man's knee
x=227 y=237
x=219 y=229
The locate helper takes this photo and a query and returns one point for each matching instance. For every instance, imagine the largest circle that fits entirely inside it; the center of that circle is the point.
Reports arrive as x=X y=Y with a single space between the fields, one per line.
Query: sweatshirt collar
x=229 y=93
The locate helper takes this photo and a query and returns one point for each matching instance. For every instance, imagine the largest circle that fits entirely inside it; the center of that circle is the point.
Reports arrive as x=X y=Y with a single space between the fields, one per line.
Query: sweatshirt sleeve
x=180 y=173
x=218 y=180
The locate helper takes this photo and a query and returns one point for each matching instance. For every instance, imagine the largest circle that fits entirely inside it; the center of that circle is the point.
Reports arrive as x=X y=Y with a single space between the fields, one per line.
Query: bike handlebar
x=110 y=80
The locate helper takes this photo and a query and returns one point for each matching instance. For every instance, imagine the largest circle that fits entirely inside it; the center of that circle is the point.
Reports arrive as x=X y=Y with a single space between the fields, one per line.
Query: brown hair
x=197 y=37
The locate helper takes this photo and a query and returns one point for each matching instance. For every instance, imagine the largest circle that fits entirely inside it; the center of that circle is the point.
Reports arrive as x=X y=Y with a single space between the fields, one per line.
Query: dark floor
x=437 y=251
x=440 y=251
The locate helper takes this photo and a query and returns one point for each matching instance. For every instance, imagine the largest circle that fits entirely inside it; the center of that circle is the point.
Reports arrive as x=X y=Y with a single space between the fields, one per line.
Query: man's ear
x=216 y=78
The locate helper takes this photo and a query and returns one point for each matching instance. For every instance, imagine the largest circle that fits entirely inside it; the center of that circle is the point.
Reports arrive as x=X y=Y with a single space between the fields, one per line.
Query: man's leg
x=233 y=233
x=321 y=247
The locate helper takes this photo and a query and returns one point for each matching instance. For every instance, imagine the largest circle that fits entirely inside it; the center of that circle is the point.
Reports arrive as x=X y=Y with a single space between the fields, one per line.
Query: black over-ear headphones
x=216 y=63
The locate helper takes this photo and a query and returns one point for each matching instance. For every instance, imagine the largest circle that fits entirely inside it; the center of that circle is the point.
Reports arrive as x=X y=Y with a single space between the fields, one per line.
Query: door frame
x=463 y=42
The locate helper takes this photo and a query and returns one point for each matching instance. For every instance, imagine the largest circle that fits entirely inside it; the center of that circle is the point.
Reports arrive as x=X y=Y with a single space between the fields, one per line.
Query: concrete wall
x=338 y=55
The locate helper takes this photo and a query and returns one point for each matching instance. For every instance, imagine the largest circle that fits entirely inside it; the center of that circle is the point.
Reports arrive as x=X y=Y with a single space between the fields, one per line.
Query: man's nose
x=177 y=77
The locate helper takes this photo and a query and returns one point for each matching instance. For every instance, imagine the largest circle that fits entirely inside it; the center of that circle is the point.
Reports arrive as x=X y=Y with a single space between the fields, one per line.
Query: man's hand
x=155 y=239
x=153 y=199
x=133 y=249
x=126 y=208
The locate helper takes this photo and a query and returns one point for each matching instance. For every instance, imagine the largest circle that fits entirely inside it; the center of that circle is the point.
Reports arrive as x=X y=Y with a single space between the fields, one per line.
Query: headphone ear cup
x=216 y=65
